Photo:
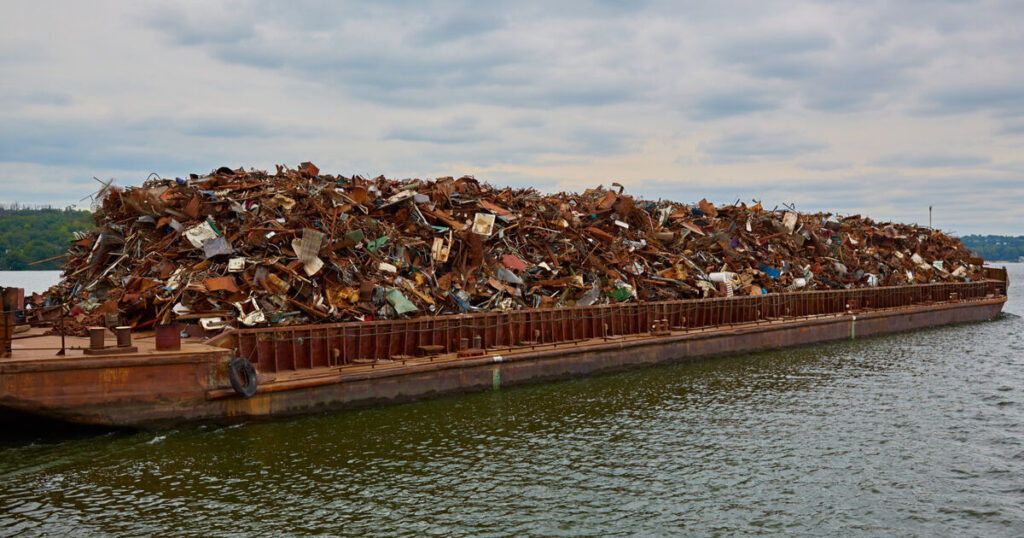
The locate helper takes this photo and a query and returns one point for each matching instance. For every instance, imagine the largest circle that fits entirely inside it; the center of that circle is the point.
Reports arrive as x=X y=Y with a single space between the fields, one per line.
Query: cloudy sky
x=882 y=108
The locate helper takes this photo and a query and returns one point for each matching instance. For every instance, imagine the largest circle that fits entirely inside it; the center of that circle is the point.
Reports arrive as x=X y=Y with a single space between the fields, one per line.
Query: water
x=31 y=281
x=909 y=434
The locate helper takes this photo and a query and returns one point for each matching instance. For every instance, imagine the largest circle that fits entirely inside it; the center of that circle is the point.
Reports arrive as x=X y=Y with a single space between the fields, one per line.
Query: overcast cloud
x=856 y=107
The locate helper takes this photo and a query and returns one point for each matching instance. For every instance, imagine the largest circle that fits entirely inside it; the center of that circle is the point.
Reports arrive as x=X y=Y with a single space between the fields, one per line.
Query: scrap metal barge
x=317 y=368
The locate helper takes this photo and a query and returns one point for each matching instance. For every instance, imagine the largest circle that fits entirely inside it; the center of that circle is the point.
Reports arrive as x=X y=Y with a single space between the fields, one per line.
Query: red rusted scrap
x=242 y=248
x=598 y=233
x=513 y=263
x=221 y=283
x=707 y=208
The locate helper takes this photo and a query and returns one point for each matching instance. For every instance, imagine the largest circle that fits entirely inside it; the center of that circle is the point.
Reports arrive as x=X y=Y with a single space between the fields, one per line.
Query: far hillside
x=28 y=235
x=1006 y=248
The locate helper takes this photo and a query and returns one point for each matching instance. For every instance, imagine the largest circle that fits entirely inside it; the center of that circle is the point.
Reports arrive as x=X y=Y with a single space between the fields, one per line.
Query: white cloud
x=855 y=106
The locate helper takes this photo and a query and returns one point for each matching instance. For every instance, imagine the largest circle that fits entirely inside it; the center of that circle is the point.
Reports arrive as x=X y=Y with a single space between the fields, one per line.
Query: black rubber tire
x=243 y=377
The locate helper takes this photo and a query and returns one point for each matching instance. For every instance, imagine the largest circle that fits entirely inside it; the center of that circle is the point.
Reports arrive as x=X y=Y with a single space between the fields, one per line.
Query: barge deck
x=320 y=368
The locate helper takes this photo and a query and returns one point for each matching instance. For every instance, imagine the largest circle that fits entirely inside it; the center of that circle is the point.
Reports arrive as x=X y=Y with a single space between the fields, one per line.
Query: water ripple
x=915 y=433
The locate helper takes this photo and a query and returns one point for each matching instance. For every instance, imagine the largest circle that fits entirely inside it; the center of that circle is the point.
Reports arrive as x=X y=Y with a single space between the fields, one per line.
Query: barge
x=260 y=373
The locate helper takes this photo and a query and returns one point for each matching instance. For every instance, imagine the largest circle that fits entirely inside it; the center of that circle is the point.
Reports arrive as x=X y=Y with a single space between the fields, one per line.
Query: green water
x=910 y=434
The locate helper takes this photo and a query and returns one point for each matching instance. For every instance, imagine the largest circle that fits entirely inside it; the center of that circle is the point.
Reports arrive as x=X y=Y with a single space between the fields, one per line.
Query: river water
x=30 y=281
x=911 y=434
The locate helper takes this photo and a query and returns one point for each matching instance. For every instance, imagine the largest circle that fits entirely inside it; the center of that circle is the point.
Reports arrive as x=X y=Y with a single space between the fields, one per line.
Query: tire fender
x=242 y=374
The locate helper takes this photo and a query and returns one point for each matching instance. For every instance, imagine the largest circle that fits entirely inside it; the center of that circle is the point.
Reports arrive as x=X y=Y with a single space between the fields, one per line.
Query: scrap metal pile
x=246 y=248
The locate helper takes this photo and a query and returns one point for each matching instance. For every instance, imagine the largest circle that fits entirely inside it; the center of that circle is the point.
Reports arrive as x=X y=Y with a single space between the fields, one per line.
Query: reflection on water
x=918 y=433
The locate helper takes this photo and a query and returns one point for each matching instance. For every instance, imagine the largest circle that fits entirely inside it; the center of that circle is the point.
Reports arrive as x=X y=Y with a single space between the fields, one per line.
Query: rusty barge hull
x=549 y=363
x=308 y=373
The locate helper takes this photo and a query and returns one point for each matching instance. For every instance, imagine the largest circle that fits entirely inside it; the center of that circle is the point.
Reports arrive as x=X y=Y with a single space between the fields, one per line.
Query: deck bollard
x=96 y=337
x=96 y=342
x=124 y=336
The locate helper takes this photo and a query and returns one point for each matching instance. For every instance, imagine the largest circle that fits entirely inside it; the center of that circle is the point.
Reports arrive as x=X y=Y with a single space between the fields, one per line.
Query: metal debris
x=238 y=247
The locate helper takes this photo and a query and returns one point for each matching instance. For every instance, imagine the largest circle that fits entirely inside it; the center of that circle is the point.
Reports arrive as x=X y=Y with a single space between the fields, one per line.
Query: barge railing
x=299 y=347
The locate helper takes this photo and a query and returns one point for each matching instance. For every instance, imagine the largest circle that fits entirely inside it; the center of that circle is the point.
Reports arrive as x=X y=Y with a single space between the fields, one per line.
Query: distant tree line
x=32 y=234
x=1006 y=248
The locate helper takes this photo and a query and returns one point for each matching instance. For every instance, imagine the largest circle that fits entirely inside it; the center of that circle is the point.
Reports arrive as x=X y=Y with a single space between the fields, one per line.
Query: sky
x=863 y=107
